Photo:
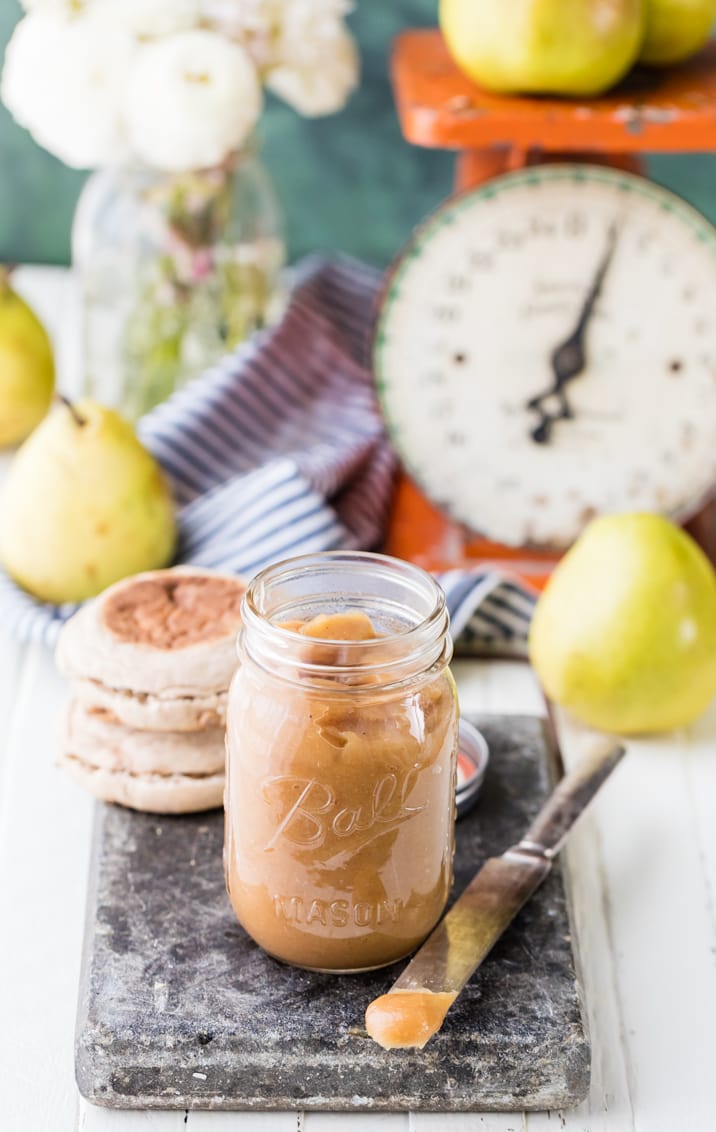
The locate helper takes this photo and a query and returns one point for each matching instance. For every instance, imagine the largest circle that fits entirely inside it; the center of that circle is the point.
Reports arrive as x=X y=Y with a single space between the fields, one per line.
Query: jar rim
x=423 y=638
x=300 y=562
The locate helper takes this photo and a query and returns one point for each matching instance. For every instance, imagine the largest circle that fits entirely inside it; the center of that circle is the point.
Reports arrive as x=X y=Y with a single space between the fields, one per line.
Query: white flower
x=64 y=79
x=192 y=99
x=260 y=15
x=270 y=29
x=153 y=18
x=175 y=83
x=315 y=65
x=247 y=15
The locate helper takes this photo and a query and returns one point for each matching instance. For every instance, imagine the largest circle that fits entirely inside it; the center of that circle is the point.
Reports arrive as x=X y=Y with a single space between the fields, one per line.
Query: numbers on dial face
x=474 y=313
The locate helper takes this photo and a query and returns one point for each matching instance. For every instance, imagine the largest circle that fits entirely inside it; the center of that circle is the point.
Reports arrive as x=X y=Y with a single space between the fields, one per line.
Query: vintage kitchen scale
x=545 y=347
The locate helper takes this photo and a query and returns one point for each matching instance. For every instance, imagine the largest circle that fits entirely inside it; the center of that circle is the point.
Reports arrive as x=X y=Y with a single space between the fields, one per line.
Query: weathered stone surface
x=179 y=1009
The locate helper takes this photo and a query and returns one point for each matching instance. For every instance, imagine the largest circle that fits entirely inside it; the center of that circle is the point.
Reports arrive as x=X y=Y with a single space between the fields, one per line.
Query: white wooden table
x=642 y=866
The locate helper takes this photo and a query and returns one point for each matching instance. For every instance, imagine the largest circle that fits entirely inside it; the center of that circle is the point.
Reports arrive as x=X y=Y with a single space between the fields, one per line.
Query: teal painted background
x=348 y=182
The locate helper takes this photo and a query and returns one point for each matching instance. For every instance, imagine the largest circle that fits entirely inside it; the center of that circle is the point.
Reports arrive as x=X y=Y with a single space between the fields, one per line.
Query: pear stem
x=77 y=417
x=6 y=270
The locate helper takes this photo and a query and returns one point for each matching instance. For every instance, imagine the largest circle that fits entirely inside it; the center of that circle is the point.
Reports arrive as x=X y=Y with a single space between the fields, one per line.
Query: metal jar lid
x=472 y=758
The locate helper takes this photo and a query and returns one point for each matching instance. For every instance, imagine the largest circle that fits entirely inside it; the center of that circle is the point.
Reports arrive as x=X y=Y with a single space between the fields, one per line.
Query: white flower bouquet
x=178 y=238
x=173 y=84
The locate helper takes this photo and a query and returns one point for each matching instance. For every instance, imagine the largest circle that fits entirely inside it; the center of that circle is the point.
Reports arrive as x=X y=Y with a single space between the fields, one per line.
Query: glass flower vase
x=175 y=270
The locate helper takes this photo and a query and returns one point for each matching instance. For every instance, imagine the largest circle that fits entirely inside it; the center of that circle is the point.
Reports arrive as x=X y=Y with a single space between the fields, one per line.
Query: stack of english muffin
x=150 y=661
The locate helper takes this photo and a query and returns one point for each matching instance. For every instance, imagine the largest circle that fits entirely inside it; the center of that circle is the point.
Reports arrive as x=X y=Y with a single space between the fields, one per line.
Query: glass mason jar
x=175 y=270
x=341 y=761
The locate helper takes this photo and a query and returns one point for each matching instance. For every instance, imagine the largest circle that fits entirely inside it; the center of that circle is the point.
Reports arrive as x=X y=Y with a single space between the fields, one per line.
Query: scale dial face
x=491 y=406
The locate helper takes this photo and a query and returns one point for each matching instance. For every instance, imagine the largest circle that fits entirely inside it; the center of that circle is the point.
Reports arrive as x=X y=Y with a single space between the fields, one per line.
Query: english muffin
x=156 y=651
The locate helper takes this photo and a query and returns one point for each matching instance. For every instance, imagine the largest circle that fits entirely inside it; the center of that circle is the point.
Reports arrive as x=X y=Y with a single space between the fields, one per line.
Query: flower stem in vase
x=176 y=269
x=202 y=293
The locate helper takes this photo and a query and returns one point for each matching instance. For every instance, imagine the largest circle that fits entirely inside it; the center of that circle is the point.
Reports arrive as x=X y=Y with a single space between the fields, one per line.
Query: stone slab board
x=180 y=1010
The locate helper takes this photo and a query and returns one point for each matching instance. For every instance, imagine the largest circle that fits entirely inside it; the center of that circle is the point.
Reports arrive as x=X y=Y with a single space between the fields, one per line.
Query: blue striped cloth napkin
x=280 y=450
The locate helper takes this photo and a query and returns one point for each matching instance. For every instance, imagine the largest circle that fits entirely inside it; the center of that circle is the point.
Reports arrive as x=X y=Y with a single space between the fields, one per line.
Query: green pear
x=624 y=635
x=83 y=505
x=676 y=29
x=27 y=370
x=567 y=47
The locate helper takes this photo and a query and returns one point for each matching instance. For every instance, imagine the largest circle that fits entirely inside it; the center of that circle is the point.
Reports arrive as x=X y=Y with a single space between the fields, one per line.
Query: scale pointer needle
x=568 y=360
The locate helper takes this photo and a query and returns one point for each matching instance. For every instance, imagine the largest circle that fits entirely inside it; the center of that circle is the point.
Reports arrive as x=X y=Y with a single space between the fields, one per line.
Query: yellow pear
x=624 y=635
x=27 y=371
x=83 y=505
x=568 y=47
x=676 y=29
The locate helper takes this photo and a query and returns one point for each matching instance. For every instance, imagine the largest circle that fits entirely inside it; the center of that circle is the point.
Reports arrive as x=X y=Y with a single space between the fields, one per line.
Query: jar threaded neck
x=405 y=605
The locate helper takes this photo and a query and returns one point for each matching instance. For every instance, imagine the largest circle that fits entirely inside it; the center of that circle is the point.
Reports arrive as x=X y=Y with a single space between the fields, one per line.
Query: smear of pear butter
x=407 y=1019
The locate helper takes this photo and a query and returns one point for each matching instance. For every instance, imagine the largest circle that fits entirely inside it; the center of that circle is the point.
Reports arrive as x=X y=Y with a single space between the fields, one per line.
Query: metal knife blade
x=464 y=937
x=460 y=942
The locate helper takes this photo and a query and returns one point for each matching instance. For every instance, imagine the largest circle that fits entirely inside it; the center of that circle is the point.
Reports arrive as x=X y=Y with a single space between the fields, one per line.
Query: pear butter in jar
x=341 y=741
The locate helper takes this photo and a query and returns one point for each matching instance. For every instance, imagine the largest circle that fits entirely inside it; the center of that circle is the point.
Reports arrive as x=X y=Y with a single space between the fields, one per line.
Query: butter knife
x=415 y=1007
